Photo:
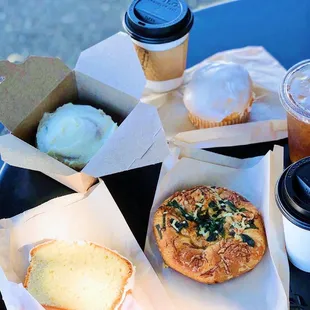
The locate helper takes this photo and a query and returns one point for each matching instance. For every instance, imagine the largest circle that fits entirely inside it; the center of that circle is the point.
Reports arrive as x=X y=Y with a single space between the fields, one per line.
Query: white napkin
x=15 y=296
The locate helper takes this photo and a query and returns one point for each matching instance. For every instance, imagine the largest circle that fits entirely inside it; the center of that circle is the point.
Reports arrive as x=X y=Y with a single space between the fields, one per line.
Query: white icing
x=300 y=87
x=75 y=132
x=218 y=90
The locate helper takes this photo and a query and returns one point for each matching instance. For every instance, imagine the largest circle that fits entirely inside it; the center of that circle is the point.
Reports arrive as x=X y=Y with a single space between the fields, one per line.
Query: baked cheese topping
x=210 y=234
x=221 y=219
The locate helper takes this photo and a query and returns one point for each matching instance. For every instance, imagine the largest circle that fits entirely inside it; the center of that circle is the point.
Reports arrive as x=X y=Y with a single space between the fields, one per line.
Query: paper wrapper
x=267 y=119
x=93 y=217
x=267 y=285
x=15 y=296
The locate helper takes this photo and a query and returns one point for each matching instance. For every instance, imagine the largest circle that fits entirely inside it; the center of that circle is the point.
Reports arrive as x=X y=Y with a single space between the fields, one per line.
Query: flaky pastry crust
x=209 y=234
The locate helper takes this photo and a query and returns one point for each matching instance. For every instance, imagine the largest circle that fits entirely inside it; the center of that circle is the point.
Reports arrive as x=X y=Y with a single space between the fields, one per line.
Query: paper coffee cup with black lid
x=293 y=200
x=159 y=30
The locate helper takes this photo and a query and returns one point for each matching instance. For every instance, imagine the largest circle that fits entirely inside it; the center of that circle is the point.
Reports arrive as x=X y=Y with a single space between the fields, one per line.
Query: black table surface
x=282 y=27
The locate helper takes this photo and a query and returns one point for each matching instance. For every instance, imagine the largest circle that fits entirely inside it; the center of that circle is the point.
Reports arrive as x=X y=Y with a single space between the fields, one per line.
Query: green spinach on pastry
x=210 y=234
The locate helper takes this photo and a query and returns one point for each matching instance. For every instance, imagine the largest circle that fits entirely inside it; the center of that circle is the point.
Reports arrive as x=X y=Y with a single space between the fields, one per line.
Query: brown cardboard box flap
x=114 y=62
x=109 y=73
x=155 y=154
x=24 y=86
x=138 y=142
x=12 y=148
x=79 y=182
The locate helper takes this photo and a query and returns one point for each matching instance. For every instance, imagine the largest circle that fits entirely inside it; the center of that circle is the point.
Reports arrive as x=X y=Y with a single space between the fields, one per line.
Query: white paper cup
x=293 y=200
x=159 y=30
x=297 y=249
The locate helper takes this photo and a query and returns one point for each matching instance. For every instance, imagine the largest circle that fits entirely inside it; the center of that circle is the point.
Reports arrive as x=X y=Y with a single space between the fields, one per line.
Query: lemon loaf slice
x=78 y=276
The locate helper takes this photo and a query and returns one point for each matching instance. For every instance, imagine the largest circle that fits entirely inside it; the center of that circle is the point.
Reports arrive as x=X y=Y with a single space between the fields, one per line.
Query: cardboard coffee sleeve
x=163 y=65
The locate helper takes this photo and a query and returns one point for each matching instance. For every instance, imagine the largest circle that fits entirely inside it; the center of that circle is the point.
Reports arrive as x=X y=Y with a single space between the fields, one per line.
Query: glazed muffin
x=209 y=234
x=219 y=94
x=74 y=133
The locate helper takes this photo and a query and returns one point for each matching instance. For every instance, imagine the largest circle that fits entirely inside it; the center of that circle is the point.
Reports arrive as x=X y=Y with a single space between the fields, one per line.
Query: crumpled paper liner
x=93 y=217
x=15 y=296
x=267 y=285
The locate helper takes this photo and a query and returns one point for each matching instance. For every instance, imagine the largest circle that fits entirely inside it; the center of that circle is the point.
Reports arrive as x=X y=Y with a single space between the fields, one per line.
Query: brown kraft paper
x=163 y=65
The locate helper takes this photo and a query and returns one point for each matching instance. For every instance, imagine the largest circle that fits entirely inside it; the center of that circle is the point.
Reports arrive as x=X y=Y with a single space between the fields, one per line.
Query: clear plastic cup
x=295 y=98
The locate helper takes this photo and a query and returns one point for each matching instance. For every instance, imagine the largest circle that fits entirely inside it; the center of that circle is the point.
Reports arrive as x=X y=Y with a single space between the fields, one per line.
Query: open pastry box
x=107 y=76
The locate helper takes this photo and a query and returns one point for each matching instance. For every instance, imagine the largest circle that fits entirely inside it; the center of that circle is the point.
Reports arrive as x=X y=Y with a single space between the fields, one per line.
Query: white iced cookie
x=219 y=94
x=74 y=133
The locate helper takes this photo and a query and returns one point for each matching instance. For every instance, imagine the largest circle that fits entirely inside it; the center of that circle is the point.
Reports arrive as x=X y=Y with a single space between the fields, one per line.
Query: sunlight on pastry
x=219 y=94
x=78 y=275
x=209 y=234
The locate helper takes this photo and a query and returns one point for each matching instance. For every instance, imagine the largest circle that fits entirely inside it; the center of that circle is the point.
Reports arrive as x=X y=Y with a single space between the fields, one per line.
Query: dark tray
x=133 y=192
x=282 y=27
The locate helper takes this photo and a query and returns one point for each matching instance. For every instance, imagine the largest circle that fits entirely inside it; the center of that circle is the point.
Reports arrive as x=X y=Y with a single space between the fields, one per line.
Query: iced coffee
x=159 y=30
x=295 y=98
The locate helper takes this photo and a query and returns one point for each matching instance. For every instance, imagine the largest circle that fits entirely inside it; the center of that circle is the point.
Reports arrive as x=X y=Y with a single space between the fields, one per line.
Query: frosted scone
x=74 y=133
x=78 y=275
x=209 y=234
x=219 y=94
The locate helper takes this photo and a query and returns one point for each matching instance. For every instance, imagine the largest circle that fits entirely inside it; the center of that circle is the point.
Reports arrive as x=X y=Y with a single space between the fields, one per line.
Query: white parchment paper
x=15 y=296
x=93 y=217
x=267 y=121
x=267 y=286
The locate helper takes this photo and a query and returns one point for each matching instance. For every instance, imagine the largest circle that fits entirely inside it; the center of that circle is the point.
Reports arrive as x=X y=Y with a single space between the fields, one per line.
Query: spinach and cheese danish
x=209 y=234
x=73 y=134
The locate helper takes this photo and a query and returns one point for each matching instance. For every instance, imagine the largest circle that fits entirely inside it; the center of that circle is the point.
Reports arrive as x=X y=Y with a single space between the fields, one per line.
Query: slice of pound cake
x=78 y=276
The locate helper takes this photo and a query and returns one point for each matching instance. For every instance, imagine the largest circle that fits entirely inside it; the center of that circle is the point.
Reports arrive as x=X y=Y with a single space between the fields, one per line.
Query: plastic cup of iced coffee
x=293 y=200
x=295 y=98
x=159 y=30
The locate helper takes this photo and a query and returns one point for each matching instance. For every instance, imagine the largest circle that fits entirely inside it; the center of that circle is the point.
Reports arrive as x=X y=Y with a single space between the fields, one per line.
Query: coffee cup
x=293 y=200
x=159 y=30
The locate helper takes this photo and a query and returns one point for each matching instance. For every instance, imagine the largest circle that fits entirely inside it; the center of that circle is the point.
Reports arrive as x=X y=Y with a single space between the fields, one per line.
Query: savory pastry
x=209 y=234
x=78 y=275
x=219 y=94
x=74 y=133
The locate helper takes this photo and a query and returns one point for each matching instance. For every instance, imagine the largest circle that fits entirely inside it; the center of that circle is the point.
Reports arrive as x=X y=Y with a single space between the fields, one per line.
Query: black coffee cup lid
x=293 y=193
x=158 y=21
